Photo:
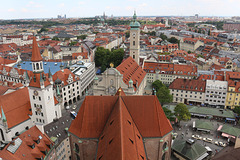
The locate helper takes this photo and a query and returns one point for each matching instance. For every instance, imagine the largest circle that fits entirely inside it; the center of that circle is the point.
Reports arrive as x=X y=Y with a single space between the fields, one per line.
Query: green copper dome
x=135 y=23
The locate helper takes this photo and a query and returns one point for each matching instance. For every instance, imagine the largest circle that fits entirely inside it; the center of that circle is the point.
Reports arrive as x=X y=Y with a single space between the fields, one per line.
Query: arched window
x=164 y=156
x=34 y=66
x=77 y=157
x=164 y=145
x=37 y=66
x=76 y=147
x=41 y=66
x=2 y=136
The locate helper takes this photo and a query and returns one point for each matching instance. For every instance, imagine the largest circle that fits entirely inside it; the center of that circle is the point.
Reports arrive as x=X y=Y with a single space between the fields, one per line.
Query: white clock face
x=35 y=92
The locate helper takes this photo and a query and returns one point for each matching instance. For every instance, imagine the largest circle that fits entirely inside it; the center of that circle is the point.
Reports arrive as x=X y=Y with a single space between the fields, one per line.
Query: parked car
x=74 y=107
x=67 y=107
x=193 y=136
x=217 y=143
x=73 y=114
x=198 y=137
x=175 y=135
x=222 y=144
x=208 y=140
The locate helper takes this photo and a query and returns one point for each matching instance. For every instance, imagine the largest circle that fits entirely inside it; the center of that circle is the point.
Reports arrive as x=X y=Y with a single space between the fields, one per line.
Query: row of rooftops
x=31 y=144
x=170 y=68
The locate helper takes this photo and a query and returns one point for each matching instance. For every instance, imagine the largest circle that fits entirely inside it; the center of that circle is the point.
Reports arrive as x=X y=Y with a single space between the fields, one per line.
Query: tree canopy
x=82 y=37
x=182 y=112
x=43 y=30
x=103 y=57
x=237 y=110
x=163 y=93
x=169 y=114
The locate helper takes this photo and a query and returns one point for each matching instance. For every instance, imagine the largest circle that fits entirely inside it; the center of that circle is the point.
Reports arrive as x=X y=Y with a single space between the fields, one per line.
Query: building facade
x=135 y=39
x=188 y=91
x=128 y=75
x=216 y=93
x=168 y=72
x=118 y=133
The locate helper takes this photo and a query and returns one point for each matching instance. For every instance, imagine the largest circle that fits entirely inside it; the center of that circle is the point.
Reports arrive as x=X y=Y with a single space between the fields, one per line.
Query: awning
x=208 y=149
x=203 y=156
x=227 y=135
x=219 y=128
x=230 y=119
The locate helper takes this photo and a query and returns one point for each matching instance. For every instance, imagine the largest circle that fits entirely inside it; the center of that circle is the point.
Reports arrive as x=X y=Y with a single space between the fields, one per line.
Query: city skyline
x=78 y=8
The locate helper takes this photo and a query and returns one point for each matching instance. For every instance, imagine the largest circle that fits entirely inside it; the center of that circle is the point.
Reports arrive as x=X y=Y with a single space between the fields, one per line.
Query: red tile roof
x=120 y=138
x=63 y=76
x=131 y=70
x=36 y=80
x=36 y=56
x=211 y=77
x=196 y=85
x=145 y=111
x=16 y=106
x=25 y=151
x=83 y=54
x=170 y=68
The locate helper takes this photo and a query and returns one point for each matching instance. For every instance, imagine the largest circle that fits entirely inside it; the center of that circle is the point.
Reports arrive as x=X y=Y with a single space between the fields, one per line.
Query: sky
x=21 y=9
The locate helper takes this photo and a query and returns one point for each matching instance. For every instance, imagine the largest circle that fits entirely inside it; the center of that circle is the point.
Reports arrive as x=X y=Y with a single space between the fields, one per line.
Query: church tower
x=135 y=39
x=41 y=91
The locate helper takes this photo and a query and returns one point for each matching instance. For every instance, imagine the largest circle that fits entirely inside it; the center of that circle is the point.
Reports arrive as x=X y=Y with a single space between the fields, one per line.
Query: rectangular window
x=134 y=43
x=133 y=56
x=33 y=97
x=39 y=98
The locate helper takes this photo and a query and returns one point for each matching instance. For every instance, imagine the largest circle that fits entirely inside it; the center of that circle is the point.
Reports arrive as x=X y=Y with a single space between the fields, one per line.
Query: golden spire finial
x=111 y=65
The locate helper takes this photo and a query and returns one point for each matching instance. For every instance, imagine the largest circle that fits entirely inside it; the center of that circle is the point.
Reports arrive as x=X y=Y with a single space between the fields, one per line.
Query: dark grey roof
x=58 y=81
x=58 y=128
x=64 y=35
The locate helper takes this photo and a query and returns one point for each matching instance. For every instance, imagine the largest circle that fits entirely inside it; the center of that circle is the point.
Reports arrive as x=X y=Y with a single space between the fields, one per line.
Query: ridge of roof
x=118 y=140
x=36 y=56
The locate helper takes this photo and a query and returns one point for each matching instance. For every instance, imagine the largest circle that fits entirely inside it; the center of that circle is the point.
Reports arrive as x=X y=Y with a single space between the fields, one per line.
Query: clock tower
x=135 y=39
x=40 y=90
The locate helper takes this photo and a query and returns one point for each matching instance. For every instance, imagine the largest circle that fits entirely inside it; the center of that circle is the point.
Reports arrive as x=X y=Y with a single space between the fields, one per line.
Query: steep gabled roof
x=16 y=106
x=145 y=111
x=36 y=56
x=120 y=138
x=25 y=151
x=36 y=80
x=131 y=70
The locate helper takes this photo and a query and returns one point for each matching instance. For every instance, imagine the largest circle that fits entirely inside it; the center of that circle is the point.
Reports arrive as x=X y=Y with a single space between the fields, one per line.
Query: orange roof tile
x=15 y=107
x=25 y=151
x=36 y=56
x=196 y=85
x=120 y=138
x=131 y=70
x=95 y=112
x=36 y=83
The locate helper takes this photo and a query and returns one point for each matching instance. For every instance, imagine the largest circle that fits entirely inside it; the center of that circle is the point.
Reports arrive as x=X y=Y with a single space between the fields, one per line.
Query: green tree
x=173 y=40
x=55 y=39
x=42 y=30
x=103 y=57
x=72 y=43
x=209 y=32
x=237 y=110
x=127 y=34
x=189 y=52
x=163 y=36
x=157 y=85
x=82 y=37
x=168 y=114
x=182 y=112
x=163 y=93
